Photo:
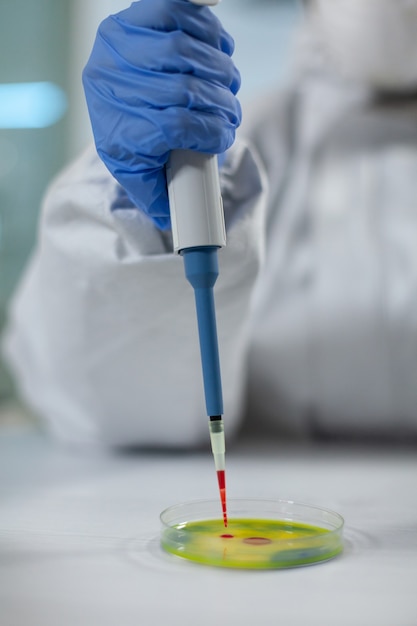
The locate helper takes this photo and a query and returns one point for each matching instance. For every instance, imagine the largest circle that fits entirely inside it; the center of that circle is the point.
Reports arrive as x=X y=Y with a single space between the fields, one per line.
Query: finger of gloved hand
x=143 y=140
x=132 y=95
x=202 y=132
x=174 y=52
x=170 y=15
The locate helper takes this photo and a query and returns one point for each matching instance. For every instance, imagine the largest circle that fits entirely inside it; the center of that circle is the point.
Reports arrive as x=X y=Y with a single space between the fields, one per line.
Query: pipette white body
x=195 y=200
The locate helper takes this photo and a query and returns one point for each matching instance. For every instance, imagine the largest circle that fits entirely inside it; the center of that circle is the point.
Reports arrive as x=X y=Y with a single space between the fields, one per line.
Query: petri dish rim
x=324 y=546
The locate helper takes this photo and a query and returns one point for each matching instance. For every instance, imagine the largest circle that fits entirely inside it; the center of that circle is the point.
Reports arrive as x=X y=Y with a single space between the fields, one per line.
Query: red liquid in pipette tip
x=221 y=477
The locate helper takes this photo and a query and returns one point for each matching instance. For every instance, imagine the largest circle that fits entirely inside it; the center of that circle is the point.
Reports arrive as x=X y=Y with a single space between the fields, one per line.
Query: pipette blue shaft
x=201 y=270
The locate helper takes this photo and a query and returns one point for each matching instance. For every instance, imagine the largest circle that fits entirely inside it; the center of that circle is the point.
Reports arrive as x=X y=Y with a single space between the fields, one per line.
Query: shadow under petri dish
x=261 y=534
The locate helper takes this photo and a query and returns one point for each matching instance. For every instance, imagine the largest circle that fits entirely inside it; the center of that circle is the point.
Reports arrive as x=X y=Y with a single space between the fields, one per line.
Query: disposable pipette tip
x=218 y=447
x=222 y=488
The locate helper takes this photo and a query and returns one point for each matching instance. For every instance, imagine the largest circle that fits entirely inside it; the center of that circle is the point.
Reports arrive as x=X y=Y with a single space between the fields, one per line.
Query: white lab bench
x=79 y=537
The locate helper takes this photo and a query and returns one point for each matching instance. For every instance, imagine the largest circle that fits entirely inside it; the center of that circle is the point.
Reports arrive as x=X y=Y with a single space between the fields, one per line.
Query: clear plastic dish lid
x=261 y=534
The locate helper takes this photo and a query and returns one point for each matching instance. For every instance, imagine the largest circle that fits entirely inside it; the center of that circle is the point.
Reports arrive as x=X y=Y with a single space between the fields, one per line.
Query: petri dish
x=261 y=534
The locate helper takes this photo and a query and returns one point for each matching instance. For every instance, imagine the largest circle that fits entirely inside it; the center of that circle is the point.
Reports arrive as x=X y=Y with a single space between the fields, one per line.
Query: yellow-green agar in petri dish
x=260 y=534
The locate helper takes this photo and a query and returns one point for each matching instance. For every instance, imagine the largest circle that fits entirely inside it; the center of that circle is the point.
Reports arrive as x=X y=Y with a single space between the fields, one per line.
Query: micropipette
x=198 y=231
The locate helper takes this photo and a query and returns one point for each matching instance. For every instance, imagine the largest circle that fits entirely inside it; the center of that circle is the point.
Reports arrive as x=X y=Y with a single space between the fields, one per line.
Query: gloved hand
x=160 y=78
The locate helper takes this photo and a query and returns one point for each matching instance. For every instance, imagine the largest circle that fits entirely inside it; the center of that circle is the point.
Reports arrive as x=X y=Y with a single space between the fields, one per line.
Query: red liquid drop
x=226 y=536
x=221 y=477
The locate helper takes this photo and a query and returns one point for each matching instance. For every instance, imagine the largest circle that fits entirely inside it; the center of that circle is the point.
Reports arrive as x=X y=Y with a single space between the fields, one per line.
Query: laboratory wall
x=44 y=45
x=34 y=61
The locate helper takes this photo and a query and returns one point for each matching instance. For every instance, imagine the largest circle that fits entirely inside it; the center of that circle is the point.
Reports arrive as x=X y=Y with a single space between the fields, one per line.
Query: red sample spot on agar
x=257 y=541
x=226 y=536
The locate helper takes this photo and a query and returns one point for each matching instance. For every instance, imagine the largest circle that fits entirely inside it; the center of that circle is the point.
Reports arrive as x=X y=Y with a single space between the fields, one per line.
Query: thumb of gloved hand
x=160 y=77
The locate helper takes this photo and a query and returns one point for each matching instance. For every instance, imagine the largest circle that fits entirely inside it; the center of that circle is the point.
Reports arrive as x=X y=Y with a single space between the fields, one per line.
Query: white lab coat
x=316 y=299
x=103 y=336
x=334 y=335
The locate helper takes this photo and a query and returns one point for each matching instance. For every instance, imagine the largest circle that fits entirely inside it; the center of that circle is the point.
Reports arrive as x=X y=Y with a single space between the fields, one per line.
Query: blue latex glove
x=160 y=78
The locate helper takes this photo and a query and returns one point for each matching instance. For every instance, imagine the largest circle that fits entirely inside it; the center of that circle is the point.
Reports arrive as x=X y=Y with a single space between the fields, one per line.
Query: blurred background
x=44 y=45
